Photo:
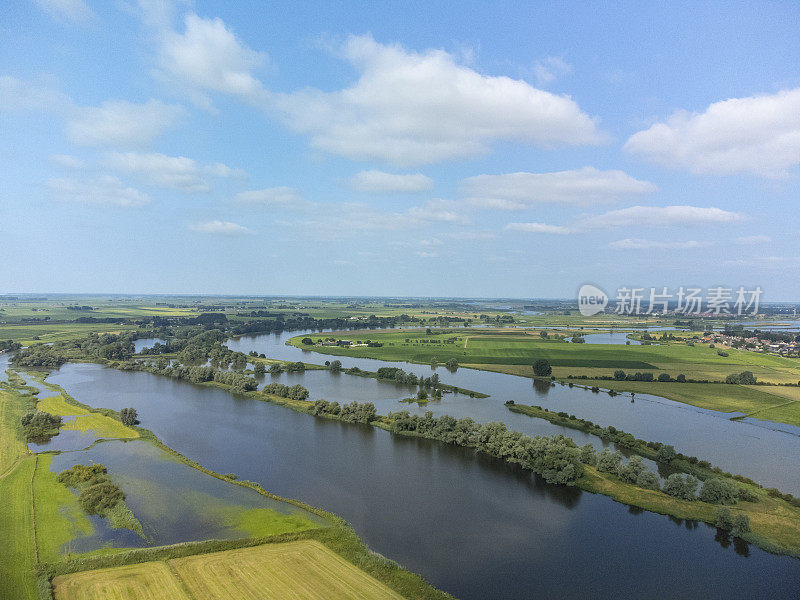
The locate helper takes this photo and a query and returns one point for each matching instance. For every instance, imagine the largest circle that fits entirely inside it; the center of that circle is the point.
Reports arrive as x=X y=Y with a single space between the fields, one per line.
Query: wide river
x=470 y=524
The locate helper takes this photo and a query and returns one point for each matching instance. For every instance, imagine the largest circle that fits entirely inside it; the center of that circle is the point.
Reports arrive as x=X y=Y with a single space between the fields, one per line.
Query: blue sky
x=425 y=149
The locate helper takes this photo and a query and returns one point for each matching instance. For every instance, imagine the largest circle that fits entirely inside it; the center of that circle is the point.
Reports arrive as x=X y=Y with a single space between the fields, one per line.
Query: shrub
x=631 y=471
x=647 y=480
x=717 y=490
x=681 y=486
x=99 y=498
x=542 y=368
x=664 y=377
x=608 y=461
x=747 y=495
x=666 y=454
x=741 y=525
x=723 y=519
x=681 y=378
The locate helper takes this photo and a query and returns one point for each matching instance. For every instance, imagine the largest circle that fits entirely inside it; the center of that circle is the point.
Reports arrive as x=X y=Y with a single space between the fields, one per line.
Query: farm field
x=512 y=352
x=299 y=569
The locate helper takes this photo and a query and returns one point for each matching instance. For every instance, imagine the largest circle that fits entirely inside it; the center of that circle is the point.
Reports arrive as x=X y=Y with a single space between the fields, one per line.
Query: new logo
x=591 y=300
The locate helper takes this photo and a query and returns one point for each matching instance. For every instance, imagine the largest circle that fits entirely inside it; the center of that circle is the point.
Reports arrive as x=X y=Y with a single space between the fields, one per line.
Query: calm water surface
x=468 y=523
x=756 y=449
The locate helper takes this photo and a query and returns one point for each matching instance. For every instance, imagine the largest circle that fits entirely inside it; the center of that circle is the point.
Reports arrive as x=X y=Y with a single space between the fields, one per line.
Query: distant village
x=754 y=342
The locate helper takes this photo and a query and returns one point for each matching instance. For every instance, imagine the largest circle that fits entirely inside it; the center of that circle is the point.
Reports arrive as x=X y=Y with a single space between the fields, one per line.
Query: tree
x=631 y=471
x=666 y=454
x=619 y=375
x=647 y=480
x=336 y=366
x=723 y=518
x=128 y=416
x=260 y=370
x=681 y=486
x=307 y=341
x=275 y=369
x=543 y=334
x=451 y=365
x=608 y=461
x=717 y=490
x=664 y=377
x=741 y=525
x=743 y=378
x=681 y=378
x=542 y=368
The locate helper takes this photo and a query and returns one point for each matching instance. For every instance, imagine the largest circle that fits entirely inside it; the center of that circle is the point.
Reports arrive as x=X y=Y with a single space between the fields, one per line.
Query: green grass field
x=293 y=570
x=85 y=420
x=18 y=548
x=513 y=351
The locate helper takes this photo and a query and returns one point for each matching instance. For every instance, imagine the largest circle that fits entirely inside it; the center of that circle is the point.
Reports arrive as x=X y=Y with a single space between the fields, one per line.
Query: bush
x=647 y=480
x=681 y=486
x=631 y=471
x=723 y=519
x=608 y=461
x=99 y=498
x=619 y=375
x=743 y=378
x=664 y=377
x=747 y=495
x=717 y=490
x=666 y=454
x=741 y=525
x=681 y=378
x=542 y=368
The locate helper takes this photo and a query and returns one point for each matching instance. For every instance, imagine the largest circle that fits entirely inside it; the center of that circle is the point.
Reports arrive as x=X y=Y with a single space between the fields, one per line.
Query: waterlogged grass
x=298 y=569
x=17 y=545
x=85 y=420
x=59 y=517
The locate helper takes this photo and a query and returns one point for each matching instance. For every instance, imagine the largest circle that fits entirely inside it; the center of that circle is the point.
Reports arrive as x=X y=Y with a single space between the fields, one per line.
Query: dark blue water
x=468 y=523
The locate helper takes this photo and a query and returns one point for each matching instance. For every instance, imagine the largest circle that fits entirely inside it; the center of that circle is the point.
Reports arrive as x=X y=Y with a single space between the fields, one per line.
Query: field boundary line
x=33 y=509
x=179 y=579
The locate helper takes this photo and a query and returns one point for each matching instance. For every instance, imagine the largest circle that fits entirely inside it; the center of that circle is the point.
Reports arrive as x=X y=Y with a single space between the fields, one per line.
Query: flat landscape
x=304 y=569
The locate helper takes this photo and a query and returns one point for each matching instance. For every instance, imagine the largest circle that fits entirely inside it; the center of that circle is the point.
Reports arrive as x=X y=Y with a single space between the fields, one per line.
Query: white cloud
x=436 y=210
x=767 y=262
x=220 y=228
x=753 y=240
x=378 y=181
x=67 y=161
x=122 y=123
x=106 y=190
x=176 y=172
x=547 y=69
x=17 y=95
x=470 y=235
x=661 y=216
x=338 y=219
x=412 y=108
x=757 y=134
x=582 y=186
x=640 y=244
x=540 y=228
x=276 y=196
x=72 y=10
x=424 y=254
x=209 y=57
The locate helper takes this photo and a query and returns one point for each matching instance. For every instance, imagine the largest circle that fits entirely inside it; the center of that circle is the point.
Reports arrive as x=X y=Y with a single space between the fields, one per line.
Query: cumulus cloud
x=208 y=57
x=72 y=10
x=540 y=228
x=410 y=108
x=640 y=244
x=757 y=134
x=661 y=216
x=550 y=67
x=378 y=181
x=17 y=95
x=582 y=186
x=67 y=161
x=106 y=190
x=122 y=123
x=336 y=220
x=220 y=228
x=753 y=240
x=275 y=196
x=176 y=172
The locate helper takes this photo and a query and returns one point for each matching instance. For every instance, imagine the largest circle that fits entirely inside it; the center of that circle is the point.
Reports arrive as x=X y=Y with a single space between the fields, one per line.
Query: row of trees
x=294 y=392
x=556 y=459
x=352 y=413
x=400 y=376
